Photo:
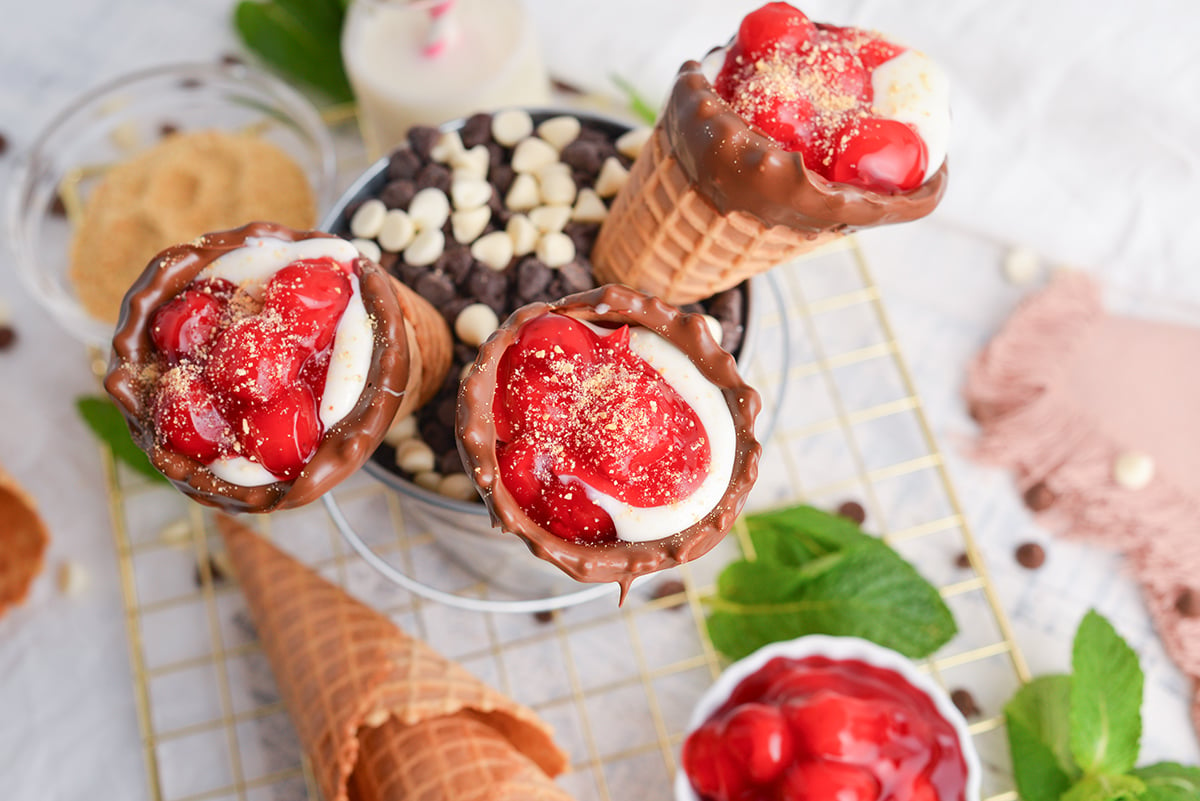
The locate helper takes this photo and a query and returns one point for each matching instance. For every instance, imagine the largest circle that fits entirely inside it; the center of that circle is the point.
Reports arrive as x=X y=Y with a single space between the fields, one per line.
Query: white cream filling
x=911 y=88
x=251 y=267
x=643 y=524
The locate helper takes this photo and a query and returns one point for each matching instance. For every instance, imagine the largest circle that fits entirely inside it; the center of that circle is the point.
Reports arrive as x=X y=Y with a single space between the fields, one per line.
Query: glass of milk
x=423 y=62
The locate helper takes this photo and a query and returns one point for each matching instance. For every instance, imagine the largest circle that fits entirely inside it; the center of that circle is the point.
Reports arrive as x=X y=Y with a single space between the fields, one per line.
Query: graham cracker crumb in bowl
x=184 y=186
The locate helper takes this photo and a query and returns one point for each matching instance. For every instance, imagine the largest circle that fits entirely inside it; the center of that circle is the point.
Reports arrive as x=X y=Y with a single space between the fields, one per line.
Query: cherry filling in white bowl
x=821 y=718
x=609 y=431
x=258 y=367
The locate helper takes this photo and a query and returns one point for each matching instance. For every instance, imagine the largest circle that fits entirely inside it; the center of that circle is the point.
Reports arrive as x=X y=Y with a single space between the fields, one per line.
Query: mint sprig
x=1076 y=737
x=817 y=573
x=105 y=420
x=300 y=38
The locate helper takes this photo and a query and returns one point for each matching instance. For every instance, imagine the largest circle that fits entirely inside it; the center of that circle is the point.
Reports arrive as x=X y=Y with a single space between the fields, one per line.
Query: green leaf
x=1169 y=781
x=302 y=38
x=1104 y=787
x=797 y=534
x=866 y=591
x=637 y=103
x=1038 y=738
x=105 y=421
x=1106 y=699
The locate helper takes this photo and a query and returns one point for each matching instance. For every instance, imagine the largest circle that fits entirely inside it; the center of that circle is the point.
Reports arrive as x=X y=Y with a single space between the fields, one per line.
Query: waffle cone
x=450 y=758
x=342 y=667
x=430 y=347
x=665 y=238
x=23 y=540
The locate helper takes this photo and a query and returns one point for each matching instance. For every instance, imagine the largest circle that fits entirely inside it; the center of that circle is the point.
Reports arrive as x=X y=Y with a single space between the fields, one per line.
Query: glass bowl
x=115 y=121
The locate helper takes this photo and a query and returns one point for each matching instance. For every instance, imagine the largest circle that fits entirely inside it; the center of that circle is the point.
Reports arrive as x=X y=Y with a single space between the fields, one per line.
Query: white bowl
x=838 y=649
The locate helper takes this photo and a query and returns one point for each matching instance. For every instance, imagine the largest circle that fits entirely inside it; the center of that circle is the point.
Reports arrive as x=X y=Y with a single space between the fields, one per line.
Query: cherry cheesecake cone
x=23 y=541
x=391 y=375
x=380 y=714
x=711 y=202
x=621 y=560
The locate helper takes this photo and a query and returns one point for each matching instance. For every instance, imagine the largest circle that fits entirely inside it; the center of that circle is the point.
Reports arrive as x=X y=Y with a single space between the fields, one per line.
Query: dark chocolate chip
x=450 y=462
x=57 y=207
x=692 y=308
x=963 y=560
x=216 y=572
x=727 y=305
x=436 y=288
x=583 y=236
x=583 y=155
x=532 y=278
x=486 y=285
x=434 y=175
x=191 y=83
x=1187 y=602
x=853 y=511
x=447 y=410
x=731 y=336
x=464 y=353
x=403 y=163
x=544 y=617
x=1031 y=555
x=502 y=178
x=1039 y=497
x=410 y=273
x=8 y=337
x=3 y=144
x=231 y=60
x=455 y=261
x=670 y=588
x=422 y=138
x=387 y=260
x=437 y=436
x=451 y=309
x=574 y=277
x=965 y=702
x=167 y=129
x=477 y=130
x=566 y=87
x=594 y=135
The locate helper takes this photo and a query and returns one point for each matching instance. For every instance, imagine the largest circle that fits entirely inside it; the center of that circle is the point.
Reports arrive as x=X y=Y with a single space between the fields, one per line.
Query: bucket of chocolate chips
x=481 y=217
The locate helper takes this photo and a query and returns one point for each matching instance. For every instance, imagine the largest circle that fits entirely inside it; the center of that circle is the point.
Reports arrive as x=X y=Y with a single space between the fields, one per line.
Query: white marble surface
x=1070 y=137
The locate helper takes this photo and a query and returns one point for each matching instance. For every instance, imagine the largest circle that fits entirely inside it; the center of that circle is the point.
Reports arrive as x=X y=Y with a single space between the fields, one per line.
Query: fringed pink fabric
x=1035 y=421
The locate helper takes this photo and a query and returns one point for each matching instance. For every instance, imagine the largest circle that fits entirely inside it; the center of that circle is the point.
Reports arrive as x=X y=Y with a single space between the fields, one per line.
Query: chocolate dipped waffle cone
x=23 y=540
x=711 y=202
x=430 y=348
x=343 y=669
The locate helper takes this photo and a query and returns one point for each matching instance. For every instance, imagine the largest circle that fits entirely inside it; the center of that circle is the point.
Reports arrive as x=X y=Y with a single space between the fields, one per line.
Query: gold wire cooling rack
x=617 y=683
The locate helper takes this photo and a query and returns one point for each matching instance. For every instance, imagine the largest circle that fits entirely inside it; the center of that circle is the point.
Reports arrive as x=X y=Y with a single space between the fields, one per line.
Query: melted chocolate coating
x=344 y=447
x=618 y=561
x=738 y=169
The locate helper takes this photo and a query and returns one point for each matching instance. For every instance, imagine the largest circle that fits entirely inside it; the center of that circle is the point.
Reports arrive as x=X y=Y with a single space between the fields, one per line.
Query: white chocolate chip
x=560 y=131
x=523 y=233
x=611 y=178
x=414 y=456
x=470 y=193
x=511 y=126
x=367 y=221
x=494 y=249
x=125 y=137
x=400 y=430
x=714 y=327
x=429 y=208
x=548 y=219
x=1134 y=470
x=473 y=163
x=73 y=578
x=475 y=323
x=630 y=144
x=555 y=250
x=557 y=187
x=458 y=486
x=523 y=195
x=589 y=208
x=1021 y=266
x=426 y=248
x=428 y=479
x=531 y=154
x=367 y=248
x=397 y=231
x=468 y=224
x=448 y=146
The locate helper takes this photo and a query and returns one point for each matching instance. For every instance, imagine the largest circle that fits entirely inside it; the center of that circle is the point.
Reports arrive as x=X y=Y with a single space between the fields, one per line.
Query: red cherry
x=773 y=27
x=186 y=418
x=708 y=766
x=757 y=736
x=828 y=781
x=883 y=155
x=922 y=790
x=252 y=361
x=828 y=725
x=788 y=122
x=874 y=51
x=840 y=69
x=283 y=434
x=311 y=295
x=186 y=321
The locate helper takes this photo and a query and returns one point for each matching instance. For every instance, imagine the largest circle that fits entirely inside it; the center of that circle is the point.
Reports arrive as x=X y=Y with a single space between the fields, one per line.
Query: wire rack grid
x=618 y=684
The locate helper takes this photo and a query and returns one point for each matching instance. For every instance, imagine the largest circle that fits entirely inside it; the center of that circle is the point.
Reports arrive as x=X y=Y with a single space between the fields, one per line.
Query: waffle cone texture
x=361 y=691
x=23 y=540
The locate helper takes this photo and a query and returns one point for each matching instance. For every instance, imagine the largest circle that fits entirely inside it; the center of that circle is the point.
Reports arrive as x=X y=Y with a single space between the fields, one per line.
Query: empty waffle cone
x=450 y=758
x=23 y=540
x=343 y=668
x=429 y=338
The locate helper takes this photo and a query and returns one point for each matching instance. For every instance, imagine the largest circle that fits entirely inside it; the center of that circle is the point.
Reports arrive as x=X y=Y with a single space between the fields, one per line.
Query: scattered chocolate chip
x=965 y=702
x=544 y=617
x=477 y=130
x=532 y=278
x=728 y=305
x=583 y=156
x=1187 y=602
x=436 y=435
x=574 y=277
x=583 y=235
x=565 y=87
x=668 y=588
x=218 y=570
x=8 y=337
x=455 y=262
x=436 y=288
x=57 y=207
x=487 y=285
x=731 y=335
x=446 y=410
x=422 y=138
x=963 y=560
x=853 y=511
x=1039 y=497
x=3 y=144
x=434 y=175
x=232 y=60
x=502 y=178
x=450 y=462
x=191 y=83
x=387 y=261
x=1031 y=555
x=403 y=163
x=167 y=129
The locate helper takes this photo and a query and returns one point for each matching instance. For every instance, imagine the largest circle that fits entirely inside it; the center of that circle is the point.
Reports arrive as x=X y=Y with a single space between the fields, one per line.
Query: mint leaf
x=1106 y=699
x=1038 y=738
x=865 y=591
x=797 y=534
x=1106 y=788
x=637 y=103
x=1169 y=781
x=301 y=38
x=105 y=420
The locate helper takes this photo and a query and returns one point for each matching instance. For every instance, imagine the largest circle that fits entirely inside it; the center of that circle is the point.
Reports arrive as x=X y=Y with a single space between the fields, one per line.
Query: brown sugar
x=187 y=185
